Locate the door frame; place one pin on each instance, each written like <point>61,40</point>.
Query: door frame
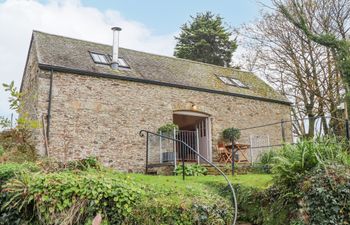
<point>208,127</point>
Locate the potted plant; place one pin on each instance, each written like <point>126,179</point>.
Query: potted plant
<point>168,129</point>
<point>232,134</point>
<point>167,148</point>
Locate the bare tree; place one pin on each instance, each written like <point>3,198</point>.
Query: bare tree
<point>302,70</point>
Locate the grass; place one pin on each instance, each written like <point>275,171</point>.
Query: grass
<point>175,190</point>
<point>260,181</point>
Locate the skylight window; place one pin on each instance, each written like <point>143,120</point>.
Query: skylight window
<point>107,59</point>
<point>99,58</point>
<point>226,80</point>
<point>122,63</point>
<point>238,83</point>
<point>232,81</point>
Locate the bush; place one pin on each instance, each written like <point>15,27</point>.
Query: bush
<point>232,133</point>
<point>9,170</point>
<point>326,196</point>
<point>293,161</point>
<point>71,197</point>
<point>192,170</point>
<point>18,145</point>
<point>267,159</point>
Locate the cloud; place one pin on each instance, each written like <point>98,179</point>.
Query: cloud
<point>69,18</point>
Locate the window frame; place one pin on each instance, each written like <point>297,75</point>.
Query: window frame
<point>232,81</point>
<point>99,54</point>
<point>108,59</point>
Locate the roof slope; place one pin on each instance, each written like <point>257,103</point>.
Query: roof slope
<point>74,54</point>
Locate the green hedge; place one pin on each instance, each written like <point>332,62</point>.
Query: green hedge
<point>76,196</point>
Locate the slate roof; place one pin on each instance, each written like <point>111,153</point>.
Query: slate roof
<point>73,54</point>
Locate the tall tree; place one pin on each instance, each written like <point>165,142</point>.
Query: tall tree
<point>205,39</point>
<point>336,39</point>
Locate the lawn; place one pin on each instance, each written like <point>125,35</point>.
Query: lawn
<point>261,181</point>
<point>174,189</point>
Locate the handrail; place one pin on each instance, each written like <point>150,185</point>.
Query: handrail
<point>234,200</point>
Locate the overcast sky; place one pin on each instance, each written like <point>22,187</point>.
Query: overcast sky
<point>147,25</point>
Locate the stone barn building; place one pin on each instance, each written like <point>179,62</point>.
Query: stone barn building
<point>93,99</point>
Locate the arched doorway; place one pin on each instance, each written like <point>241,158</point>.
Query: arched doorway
<point>194,130</point>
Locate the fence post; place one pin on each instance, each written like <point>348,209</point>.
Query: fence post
<point>347,129</point>
<point>233,157</point>
<point>183,163</point>
<point>282,131</point>
<point>174,149</point>
<point>147,153</point>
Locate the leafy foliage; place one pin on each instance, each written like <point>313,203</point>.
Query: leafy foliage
<point>15,95</point>
<point>77,196</point>
<point>192,170</point>
<point>326,196</point>
<point>9,170</point>
<point>205,39</point>
<point>18,145</point>
<point>294,161</point>
<point>232,133</point>
<point>4,122</point>
<point>267,159</point>
<point>168,128</point>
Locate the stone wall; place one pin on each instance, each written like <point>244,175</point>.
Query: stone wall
<point>30,91</point>
<point>102,117</point>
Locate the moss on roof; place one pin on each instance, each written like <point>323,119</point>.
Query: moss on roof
<point>72,53</point>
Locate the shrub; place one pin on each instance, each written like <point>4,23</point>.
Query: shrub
<point>18,145</point>
<point>326,196</point>
<point>168,128</point>
<point>71,197</point>
<point>85,164</point>
<point>232,133</point>
<point>294,161</point>
<point>192,170</point>
<point>9,170</point>
<point>267,159</point>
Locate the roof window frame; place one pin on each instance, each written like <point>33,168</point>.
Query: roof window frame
<point>108,59</point>
<point>99,54</point>
<point>232,81</point>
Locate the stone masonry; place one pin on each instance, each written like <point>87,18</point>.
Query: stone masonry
<point>102,117</point>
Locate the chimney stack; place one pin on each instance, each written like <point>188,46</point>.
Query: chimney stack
<point>115,54</point>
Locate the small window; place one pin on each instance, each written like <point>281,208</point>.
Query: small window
<point>122,63</point>
<point>238,83</point>
<point>99,58</point>
<point>232,81</point>
<point>107,59</point>
<point>226,80</point>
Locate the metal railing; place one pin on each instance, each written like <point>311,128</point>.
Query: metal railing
<point>182,151</point>
<point>234,200</point>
